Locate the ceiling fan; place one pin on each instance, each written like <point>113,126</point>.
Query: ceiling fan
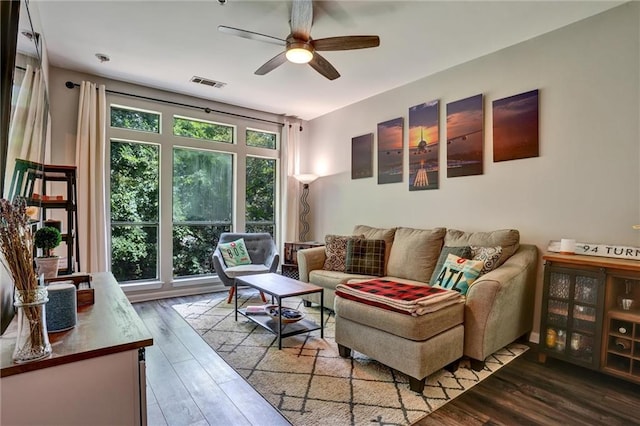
<point>300,47</point>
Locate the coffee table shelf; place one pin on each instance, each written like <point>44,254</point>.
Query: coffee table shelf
<point>290,329</point>
<point>280,287</point>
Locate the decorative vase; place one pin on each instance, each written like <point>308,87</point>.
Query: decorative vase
<point>32,341</point>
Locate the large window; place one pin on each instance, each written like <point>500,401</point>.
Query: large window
<point>202,207</point>
<point>135,119</point>
<point>177,183</point>
<point>134,210</point>
<point>200,129</point>
<point>261,191</point>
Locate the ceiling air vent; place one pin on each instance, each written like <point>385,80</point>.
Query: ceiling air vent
<point>207,82</point>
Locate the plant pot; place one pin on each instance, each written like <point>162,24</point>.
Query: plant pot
<point>47,266</point>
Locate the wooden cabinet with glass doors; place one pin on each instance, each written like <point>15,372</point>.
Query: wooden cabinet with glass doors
<point>571,326</point>
<point>591,313</point>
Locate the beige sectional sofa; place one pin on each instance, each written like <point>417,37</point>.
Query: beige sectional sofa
<point>498,307</point>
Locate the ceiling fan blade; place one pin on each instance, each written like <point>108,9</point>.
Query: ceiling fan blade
<point>301,19</point>
<point>323,66</point>
<point>346,42</point>
<point>272,64</point>
<point>251,35</point>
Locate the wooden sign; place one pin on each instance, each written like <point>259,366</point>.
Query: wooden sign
<point>604,250</point>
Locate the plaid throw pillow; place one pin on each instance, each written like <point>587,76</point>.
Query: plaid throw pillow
<point>365,257</point>
<point>336,251</point>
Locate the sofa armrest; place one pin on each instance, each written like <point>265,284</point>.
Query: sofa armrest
<point>499,305</point>
<point>310,259</point>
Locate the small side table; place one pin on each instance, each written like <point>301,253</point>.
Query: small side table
<point>290,259</point>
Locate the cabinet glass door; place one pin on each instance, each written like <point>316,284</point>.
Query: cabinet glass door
<point>572,307</point>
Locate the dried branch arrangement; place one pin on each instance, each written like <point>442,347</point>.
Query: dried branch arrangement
<point>16,246</point>
<point>16,243</point>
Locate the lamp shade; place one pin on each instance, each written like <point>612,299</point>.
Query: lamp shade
<point>306,178</point>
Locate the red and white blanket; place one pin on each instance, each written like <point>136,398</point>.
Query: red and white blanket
<point>399,297</point>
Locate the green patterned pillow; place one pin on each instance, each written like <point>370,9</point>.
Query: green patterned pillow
<point>458,274</point>
<point>365,257</point>
<point>235,253</point>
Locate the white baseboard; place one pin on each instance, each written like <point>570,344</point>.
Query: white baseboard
<point>534,337</point>
<point>175,292</point>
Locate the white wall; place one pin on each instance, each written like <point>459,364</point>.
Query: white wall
<point>584,185</point>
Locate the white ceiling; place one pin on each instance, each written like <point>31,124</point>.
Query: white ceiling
<point>163,44</point>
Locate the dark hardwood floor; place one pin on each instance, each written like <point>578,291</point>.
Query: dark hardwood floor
<point>189,384</point>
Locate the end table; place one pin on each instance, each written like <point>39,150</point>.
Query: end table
<point>290,259</point>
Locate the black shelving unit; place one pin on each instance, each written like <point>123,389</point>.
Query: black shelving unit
<point>28,177</point>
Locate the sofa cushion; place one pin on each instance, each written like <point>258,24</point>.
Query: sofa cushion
<point>330,279</point>
<point>418,328</point>
<point>365,257</point>
<point>508,239</point>
<point>414,253</point>
<point>463,252</point>
<point>240,270</point>
<point>489,255</point>
<point>378,234</point>
<point>235,253</point>
<point>458,274</point>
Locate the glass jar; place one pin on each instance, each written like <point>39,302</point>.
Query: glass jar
<point>551,338</point>
<point>32,340</point>
<point>561,340</point>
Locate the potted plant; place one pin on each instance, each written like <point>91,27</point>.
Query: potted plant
<point>47,238</point>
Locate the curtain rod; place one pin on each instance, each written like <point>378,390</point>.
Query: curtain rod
<point>71,85</point>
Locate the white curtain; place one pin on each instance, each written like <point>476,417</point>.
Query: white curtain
<point>291,187</point>
<point>26,130</point>
<point>90,161</point>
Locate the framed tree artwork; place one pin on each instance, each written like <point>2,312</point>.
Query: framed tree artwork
<point>424,141</point>
<point>362,156</point>
<point>515,127</point>
<point>464,137</point>
<point>390,151</point>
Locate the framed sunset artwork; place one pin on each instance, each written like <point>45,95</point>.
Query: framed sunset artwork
<point>424,134</point>
<point>515,127</point>
<point>464,137</point>
<point>362,156</point>
<point>390,151</point>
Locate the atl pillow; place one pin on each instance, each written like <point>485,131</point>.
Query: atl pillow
<point>458,273</point>
<point>464,252</point>
<point>235,253</point>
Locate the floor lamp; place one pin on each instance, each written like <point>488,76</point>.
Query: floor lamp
<point>305,180</point>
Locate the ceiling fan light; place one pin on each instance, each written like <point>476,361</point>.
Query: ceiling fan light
<point>299,55</point>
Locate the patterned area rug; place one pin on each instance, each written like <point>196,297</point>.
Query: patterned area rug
<point>310,384</point>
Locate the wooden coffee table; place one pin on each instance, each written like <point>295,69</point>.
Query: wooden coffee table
<point>280,287</point>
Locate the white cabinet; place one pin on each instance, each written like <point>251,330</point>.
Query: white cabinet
<point>95,374</point>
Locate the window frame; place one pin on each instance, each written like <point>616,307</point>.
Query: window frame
<point>167,142</point>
